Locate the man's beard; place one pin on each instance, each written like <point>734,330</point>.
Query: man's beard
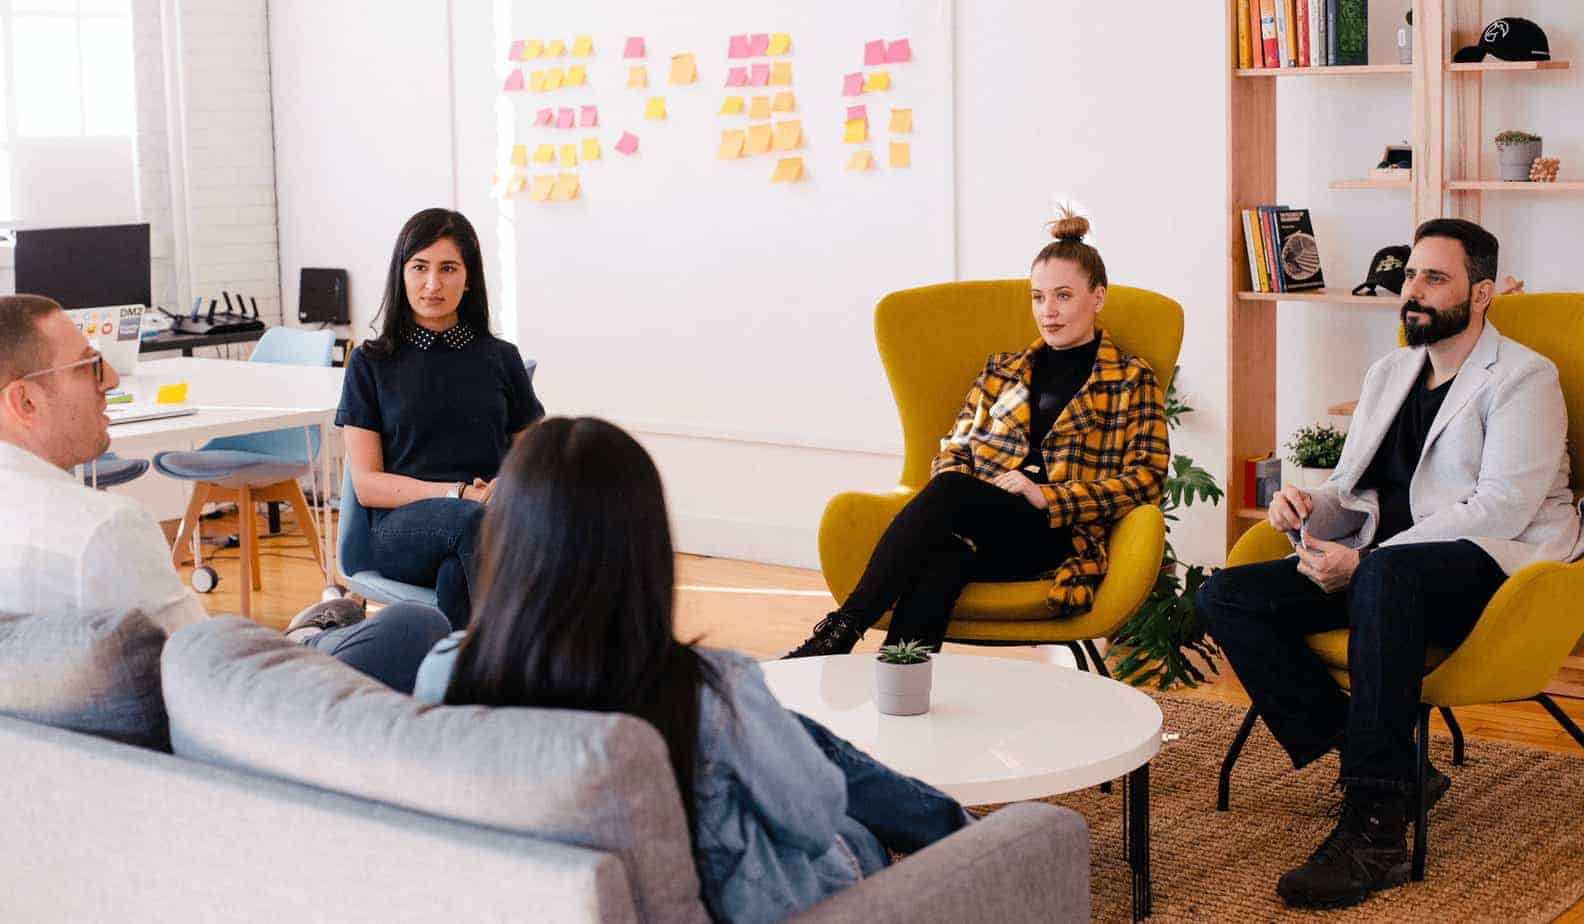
<point>1443,323</point>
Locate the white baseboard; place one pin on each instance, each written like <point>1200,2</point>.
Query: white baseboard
<point>720,537</point>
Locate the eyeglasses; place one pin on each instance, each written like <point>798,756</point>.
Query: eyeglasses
<point>96,360</point>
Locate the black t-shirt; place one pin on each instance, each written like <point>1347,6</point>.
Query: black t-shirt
<point>442,413</point>
<point>1390,473</point>
<point>1054,382</point>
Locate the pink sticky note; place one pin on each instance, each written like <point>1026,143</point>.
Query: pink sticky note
<point>852,84</point>
<point>738,47</point>
<point>589,118</point>
<point>635,48</point>
<point>544,117</point>
<point>758,44</point>
<point>564,118</point>
<point>628,143</point>
<point>874,53</point>
<point>858,112</point>
<point>761,75</point>
<point>516,50</point>
<point>514,79</point>
<point>737,77</point>
<point>899,52</point>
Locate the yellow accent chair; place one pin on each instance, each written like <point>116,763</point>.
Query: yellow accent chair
<point>1535,618</point>
<point>933,342</point>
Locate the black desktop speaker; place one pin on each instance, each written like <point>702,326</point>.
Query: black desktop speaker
<point>322,296</point>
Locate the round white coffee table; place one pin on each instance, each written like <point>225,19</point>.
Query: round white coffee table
<point>998,730</point>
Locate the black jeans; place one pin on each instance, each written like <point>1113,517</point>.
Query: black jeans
<point>1402,600</point>
<point>389,645</point>
<point>431,543</point>
<point>957,529</point>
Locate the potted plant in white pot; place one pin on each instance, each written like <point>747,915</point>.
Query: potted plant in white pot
<point>1518,151</point>
<point>1316,451</point>
<point>903,676</point>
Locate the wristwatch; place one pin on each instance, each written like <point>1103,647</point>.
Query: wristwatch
<point>455,491</point>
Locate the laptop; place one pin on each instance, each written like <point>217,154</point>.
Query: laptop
<point>114,331</point>
<point>136,412</point>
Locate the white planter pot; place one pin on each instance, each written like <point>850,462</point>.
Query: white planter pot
<point>1310,478</point>
<point>903,689</point>
<point>1516,159</point>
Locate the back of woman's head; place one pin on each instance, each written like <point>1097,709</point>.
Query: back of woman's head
<point>419,233</point>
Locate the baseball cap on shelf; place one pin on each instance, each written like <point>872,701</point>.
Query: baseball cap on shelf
<point>1386,270</point>
<point>1510,39</point>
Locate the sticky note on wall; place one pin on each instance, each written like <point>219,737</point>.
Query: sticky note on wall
<point>684,69</point>
<point>901,154</point>
<point>858,112</point>
<point>519,154</point>
<point>759,108</point>
<point>901,121</point>
<point>627,143</point>
<point>758,44</point>
<point>565,188</point>
<point>554,77</point>
<point>555,49</point>
<point>855,131</point>
<point>899,52</point>
<point>731,144</point>
<point>582,46</point>
<point>788,170</point>
<point>731,105</point>
<point>637,77</point>
<point>591,149</point>
<point>737,77</point>
<point>737,46</point>
<point>781,74</point>
<point>784,102</point>
<point>874,53</point>
<point>780,42</point>
<point>544,116</point>
<point>515,52</point>
<point>759,137</point>
<point>588,117</point>
<point>514,80</point>
<point>544,154</point>
<point>536,82</point>
<point>877,80</point>
<point>564,118</point>
<point>861,160</point>
<point>760,75</point>
<point>655,108</point>
<point>853,84</point>
<point>532,48</point>
<point>576,75</point>
<point>788,135</point>
<point>569,155</point>
<point>634,47</point>
<point>540,190</point>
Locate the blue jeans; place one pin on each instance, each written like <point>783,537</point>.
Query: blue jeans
<point>884,808</point>
<point>1402,600</point>
<point>431,543</point>
<point>387,646</point>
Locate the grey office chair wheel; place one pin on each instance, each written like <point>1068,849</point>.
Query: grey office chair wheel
<point>333,592</point>
<point>204,579</point>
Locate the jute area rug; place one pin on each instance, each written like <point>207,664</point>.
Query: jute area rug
<point>1506,843</point>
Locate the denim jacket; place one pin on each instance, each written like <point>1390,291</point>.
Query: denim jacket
<point>768,801</point>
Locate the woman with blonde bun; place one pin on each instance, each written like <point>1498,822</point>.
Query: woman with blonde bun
<point>1054,445</point>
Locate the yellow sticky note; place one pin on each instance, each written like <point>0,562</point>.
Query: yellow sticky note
<point>569,155</point>
<point>732,105</point>
<point>855,131</point>
<point>544,153</point>
<point>901,121</point>
<point>731,144</point>
<point>515,185</point>
<point>788,135</point>
<point>555,49</point>
<point>877,80</point>
<point>540,190</point>
<point>519,154</point>
<point>779,43</point>
<point>591,149</point>
<point>536,82</point>
<point>565,188</point>
<point>683,69</point>
<point>637,77</point>
<point>758,139</point>
<point>759,108</point>
<point>583,46</point>
<point>781,74</point>
<point>861,160</point>
<point>532,48</point>
<point>554,77</point>
<point>174,393</point>
<point>784,102</point>
<point>901,154</point>
<point>576,75</point>
<point>788,170</point>
<point>655,108</point>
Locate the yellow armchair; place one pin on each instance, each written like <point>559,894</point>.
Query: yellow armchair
<point>933,341</point>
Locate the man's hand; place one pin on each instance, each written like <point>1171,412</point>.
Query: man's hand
<point>1289,508</point>
<point>1015,482</point>
<point>1329,564</point>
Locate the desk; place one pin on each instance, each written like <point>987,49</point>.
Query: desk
<point>166,341</point>
<point>234,398</point>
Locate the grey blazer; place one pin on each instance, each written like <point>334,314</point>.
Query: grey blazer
<point>1494,469</point>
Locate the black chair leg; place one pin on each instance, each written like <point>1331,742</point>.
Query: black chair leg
<point>1561,717</point>
<point>1078,655</point>
<point>1457,735</point>
<point>1095,658</point>
<point>1224,790</point>
<point>1421,800</point>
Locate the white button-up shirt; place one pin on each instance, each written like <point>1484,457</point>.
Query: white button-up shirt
<point>68,549</point>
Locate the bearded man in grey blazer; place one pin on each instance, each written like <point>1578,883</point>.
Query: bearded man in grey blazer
<point>1453,476</point>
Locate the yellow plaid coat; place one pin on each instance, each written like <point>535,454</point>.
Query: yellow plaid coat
<point>1106,454</point>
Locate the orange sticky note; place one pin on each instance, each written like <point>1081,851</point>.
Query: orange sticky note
<point>731,105</point>
<point>877,80</point>
<point>901,154</point>
<point>544,154</point>
<point>788,170</point>
<point>555,49</point>
<point>637,77</point>
<point>536,82</point>
<point>532,48</point>
<point>540,190</point>
<point>591,149</point>
<point>515,184</point>
<point>684,69</point>
<point>901,121</point>
<point>855,131</point>
<point>565,188</point>
<point>569,155</point>
<point>758,139</point>
<point>655,109</point>
<point>788,135</point>
<point>731,144</point>
<point>861,160</point>
<point>554,77</point>
<point>784,102</point>
<point>582,46</point>
<point>779,43</point>
<point>781,74</point>
<point>519,155</point>
<point>576,76</point>
<point>759,108</point>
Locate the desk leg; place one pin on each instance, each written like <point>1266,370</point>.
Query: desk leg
<point>1136,840</point>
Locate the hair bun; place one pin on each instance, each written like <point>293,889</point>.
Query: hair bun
<point>1069,227</point>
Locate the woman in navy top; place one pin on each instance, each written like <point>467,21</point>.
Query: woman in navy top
<point>429,409</point>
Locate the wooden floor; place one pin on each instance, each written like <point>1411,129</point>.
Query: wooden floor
<point>766,609</point>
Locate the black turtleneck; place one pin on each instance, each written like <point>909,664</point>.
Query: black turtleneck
<point>1055,380</point>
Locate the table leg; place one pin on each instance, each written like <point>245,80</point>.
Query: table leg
<point>1136,840</point>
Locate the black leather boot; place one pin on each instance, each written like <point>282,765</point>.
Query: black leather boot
<point>834,635</point>
<point>1368,851</point>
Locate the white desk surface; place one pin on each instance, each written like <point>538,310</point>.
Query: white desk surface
<point>998,730</point>
<point>232,398</point>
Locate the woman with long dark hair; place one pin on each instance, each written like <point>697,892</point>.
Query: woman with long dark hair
<point>575,611</point>
<point>430,407</point>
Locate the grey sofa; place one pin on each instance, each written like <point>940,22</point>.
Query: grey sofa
<point>302,791</point>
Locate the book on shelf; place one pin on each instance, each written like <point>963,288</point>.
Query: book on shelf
<point>1256,35</point>
<point>1251,247</point>
<point>1282,58</point>
<point>1271,47</point>
<point>1303,33</point>
<point>1297,251</point>
<point>1267,480</point>
<point>1267,215</point>
<point>1292,32</point>
<point>1243,37</point>
<point>1317,10</point>
<point>1331,32</point>
<point>1353,32</point>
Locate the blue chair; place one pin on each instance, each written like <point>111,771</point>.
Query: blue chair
<point>110,470</point>
<point>254,468</point>
<point>353,557</point>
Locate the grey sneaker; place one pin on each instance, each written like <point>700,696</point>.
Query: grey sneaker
<point>323,616</point>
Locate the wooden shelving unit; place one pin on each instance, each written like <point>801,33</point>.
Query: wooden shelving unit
<point>1348,70</point>
<point>1369,183</point>
<point>1328,296</point>
<point>1504,186</point>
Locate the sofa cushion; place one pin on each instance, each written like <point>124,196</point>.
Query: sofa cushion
<point>240,695</point>
<point>94,674</point>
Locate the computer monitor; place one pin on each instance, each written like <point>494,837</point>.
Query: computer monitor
<point>91,267</point>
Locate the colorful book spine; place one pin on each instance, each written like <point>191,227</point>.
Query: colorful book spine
<point>1291,7</point>
<point>1256,35</point>
<point>1303,34</point>
<point>1318,8</point>
<point>1331,32</point>
<point>1242,34</point>
<point>1251,245</point>
<point>1281,34</point>
<point>1353,32</point>
<point>1268,33</point>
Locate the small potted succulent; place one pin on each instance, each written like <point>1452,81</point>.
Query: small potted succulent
<point>1315,450</point>
<point>1518,152</point>
<point>902,679</point>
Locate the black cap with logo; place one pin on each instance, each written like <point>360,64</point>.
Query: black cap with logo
<point>1386,271</point>
<point>1510,39</point>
